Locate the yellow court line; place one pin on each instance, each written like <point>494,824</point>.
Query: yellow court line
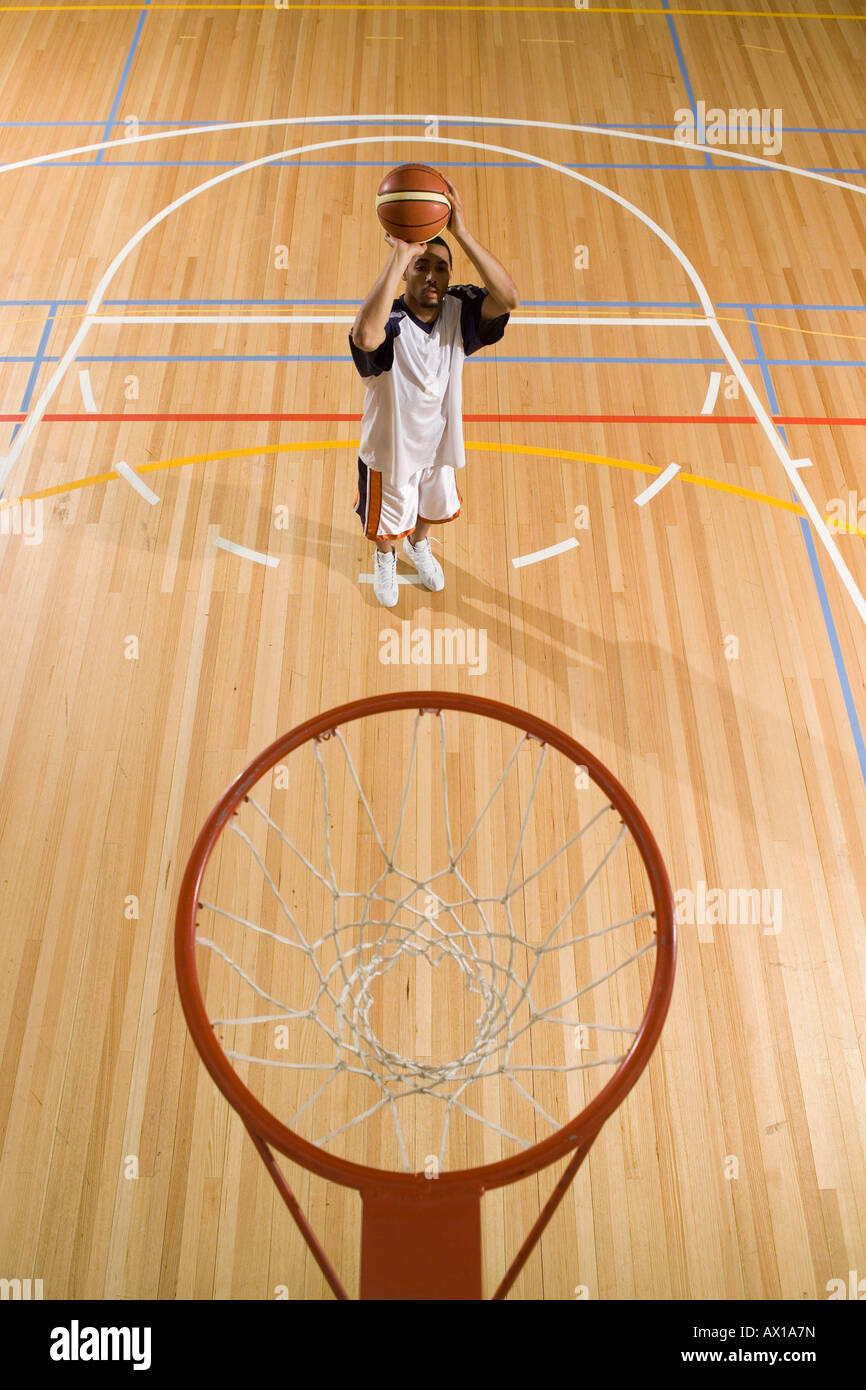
<point>479,446</point>
<point>457,9</point>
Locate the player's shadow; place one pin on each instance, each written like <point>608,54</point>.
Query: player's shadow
<point>631,677</point>
<point>467,601</point>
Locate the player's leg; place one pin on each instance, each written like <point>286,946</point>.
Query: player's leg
<point>387,513</point>
<point>438,501</point>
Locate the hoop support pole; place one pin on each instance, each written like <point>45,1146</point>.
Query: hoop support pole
<point>547,1211</point>
<point>300,1220</point>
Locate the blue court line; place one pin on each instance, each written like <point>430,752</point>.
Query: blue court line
<point>688,305</point>
<point>101,163</point>
<point>760,360</point>
<point>443,163</point>
<point>112,115</point>
<point>34,371</point>
<point>684,73</point>
<point>473,361</point>
<point>347,361</point>
<point>806,532</point>
<point>37,361</point>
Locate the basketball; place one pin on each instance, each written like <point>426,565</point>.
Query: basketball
<point>412,202</point>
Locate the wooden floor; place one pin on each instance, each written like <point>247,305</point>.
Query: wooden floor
<point>703,645</point>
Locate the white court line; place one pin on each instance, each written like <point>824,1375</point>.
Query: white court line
<point>123,470</point>
<point>245,554</point>
<point>87,391</point>
<point>576,320</point>
<point>534,556</point>
<point>778,446</point>
<point>801,463</point>
<point>391,118</point>
<point>709,404</point>
<point>38,409</point>
<point>401,578</point>
<point>658,483</point>
<point>775,440</point>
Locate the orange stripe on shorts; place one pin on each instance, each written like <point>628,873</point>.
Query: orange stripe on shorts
<point>374,503</point>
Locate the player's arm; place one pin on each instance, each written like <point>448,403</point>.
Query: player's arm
<point>368,330</point>
<point>502,294</point>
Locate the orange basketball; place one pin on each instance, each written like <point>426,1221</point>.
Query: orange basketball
<point>412,202</point>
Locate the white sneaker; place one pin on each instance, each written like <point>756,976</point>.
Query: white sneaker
<point>385,578</point>
<point>425,562</point>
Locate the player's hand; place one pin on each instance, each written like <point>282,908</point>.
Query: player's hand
<point>408,249</point>
<point>456,222</point>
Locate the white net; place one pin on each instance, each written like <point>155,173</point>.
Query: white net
<point>426,940</point>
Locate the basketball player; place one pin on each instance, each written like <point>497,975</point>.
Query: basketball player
<point>410,352</point>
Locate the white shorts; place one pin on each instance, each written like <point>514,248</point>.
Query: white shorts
<point>392,511</point>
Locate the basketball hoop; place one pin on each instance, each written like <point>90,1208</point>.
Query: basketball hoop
<point>435,882</point>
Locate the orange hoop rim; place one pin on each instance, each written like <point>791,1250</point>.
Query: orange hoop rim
<point>260,1121</point>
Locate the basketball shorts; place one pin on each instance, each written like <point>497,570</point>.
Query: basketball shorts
<point>392,510</point>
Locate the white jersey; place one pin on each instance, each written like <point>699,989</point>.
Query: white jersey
<point>413,411</point>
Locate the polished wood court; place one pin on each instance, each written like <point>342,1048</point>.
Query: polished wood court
<point>702,645</point>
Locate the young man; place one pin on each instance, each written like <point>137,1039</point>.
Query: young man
<point>410,353</point>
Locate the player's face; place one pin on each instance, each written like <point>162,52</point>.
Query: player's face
<point>427,277</point>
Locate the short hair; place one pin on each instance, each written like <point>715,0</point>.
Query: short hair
<point>440,241</point>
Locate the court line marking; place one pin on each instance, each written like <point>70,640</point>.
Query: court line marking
<point>535,555</point>
<point>676,317</point>
<point>575,320</point>
<point>173,120</point>
<point>36,365</point>
<point>709,404</point>
<point>246,554</point>
<point>661,481</point>
<point>497,359</point>
<point>820,586</point>
<point>455,9</point>
<point>87,391</point>
<point>401,578</point>
<point>477,446</point>
<point>774,438</point>
<point>143,417</point>
<point>124,471</point>
<point>356,164</point>
<point>613,132</point>
<point>112,115</point>
<point>684,72</point>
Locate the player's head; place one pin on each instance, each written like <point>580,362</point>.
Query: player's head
<point>427,274</point>
<point>440,241</point>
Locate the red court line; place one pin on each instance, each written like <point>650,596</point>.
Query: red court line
<point>165,416</point>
